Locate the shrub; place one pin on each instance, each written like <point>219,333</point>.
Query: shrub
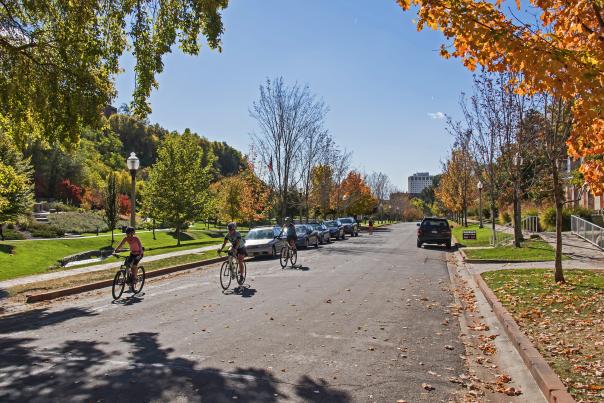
<point>58,206</point>
<point>505,217</point>
<point>78,222</point>
<point>70,192</point>
<point>548,217</point>
<point>582,212</point>
<point>38,230</point>
<point>12,234</point>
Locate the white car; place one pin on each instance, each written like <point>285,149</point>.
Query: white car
<point>264,241</point>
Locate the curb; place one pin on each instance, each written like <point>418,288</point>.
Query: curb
<point>551,386</point>
<point>106,283</point>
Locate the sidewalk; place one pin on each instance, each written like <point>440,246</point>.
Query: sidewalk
<point>575,247</point>
<point>89,269</point>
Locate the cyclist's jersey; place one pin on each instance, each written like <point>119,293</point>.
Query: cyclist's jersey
<point>135,245</point>
<point>234,238</point>
<point>290,231</point>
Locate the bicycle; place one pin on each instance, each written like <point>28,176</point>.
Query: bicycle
<point>124,276</point>
<point>287,253</point>
<point>229,271</point>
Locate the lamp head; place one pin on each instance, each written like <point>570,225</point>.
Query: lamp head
<point>133,162</point>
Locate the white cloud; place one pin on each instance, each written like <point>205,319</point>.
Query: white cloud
<point>436,115</point>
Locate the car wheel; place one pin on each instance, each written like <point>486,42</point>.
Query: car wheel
<point>448,245</point>
<point>274,251</point>
<point>316,242</point>
<point>419,244</point>
<point>306,243</point>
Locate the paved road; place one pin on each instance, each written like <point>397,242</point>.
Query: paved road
<point>361,321</point>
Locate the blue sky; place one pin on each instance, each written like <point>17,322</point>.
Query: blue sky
<point>383,81</point>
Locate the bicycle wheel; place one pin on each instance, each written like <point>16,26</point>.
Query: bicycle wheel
<point>119,281</point>
<point>294,257</point>
<point>140,280</point>
<point>283,257</point>
<point>241,280</point>
<point>225,275</point>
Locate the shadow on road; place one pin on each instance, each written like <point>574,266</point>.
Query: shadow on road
<point>131,300</point>
<point>39,318</point>
<point>76,369</point>
<point>244,291</point>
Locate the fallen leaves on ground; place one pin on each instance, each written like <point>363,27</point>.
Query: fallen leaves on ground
<point>565,322</point>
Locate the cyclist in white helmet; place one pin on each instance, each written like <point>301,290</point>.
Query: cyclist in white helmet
<point>237,245</point>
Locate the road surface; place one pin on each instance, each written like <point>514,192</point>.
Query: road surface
<point>364,319</point>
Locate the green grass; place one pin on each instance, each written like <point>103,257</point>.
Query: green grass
<point>534,250</point>
<point>483,235</point>
<point>37,256</point>
<point>564,321</point>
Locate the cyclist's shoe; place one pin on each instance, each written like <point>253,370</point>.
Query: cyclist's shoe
<point>240,279</point>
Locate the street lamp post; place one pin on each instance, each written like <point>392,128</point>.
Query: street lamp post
<point>480,203</point>
<point>133,163</point>
<point>517,160</point>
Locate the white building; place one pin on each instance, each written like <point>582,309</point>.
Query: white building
<point>418,182</point>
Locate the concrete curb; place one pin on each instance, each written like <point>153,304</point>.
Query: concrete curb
<point>107,283</point>
<point>552,387</point>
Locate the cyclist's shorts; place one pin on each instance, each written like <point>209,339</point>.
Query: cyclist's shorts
<point>133,259</point>
<point>292,238</point>
<point>242,251</point>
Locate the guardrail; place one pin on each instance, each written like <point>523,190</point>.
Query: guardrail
<point>530,223</point>
<point>587,230</point>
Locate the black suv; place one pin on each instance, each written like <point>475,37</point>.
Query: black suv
<point>434,230</point>
<point>350,226</point>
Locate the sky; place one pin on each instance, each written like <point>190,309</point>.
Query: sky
<point>385,84</point>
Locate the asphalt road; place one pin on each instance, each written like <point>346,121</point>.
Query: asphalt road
<point>362,320</point>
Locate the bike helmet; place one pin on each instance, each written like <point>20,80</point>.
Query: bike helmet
<point>129,230</point>
<point>231,226</point>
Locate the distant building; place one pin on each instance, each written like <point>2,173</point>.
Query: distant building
<point>418,182</point>
<point>574,195</point>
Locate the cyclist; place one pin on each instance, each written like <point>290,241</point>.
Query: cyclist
<point>136,252</point>
<point>237,246</point>
<point>290,230</point>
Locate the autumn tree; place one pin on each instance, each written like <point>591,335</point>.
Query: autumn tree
<point>356,195</point>
<point>559,53</point>
<point>58,59</point>
<point>457,183</point>
<point>322,185</point>
<point>229,198</point>
<point>256,197</point>
<point>380,186</point>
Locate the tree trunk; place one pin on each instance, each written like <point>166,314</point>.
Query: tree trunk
<point>558,273</point>
<point>178,234</point>
<point>153,228</point>
<point>112,239</point>
<point>1,231</point>
<point>517,220</point>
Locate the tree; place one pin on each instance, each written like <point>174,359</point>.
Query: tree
<point>284,114</point>
<point>178,183</point>
<point>58,59</point>
<point>111,204</point>
<point>559,53</point>
<point>381,187</point>
<point>321,189</point>
<point>16,188</point>
<point>229,194</point>
<point>356,195</point>
<point>340,162</point>
<point>256,196</point>
<point>315,142</point>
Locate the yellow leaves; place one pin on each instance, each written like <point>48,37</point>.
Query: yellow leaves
<point>444,52</point>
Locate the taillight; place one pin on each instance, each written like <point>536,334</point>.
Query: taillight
<point>419,231</point>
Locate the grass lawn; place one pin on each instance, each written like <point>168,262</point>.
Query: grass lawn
<point>87,278</point>
<point>483,235</point>
<point>22,258</point>
<point>533,250</point>
<point>564,322</point>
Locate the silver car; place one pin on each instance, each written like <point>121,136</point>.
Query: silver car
<point>264,241</point>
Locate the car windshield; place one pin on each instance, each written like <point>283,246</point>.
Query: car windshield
<point>346,220</point>
<point>435,223</point>
<point>331,224</point>
<point>260,234</point>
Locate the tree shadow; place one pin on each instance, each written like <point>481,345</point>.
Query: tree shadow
<point>183,236</point>
<point>313,391</point>
<point>8,249</point>
<point>39,318</point>
<point>86,371</point>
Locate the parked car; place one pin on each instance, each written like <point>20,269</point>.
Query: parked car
<point>322,231</point>
<point>306,236</point>
<point>264,241</point>
<point>336,229</point>
<point>350,226</point>
<point>434,230</point>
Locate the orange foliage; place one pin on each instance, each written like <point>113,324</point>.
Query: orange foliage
<point>562,54</point>
<point>356,195</point>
